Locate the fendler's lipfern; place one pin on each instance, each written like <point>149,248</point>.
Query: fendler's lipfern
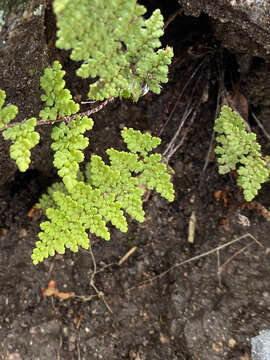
<point>238,150</point>
<point>122,53</point>
<point>87,202</point>
<point>24,137</point>
<point>7,113</point>
<point>116,45</point>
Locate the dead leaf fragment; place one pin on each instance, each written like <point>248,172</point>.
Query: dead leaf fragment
<point>34,213</point>
<point>77,320</point>
<point>51,290</point>
<point>221,195</point>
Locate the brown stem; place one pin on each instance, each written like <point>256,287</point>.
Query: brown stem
<point>68,118</point>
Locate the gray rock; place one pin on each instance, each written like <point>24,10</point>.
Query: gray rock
<point>260,346</point>
<point>240,25</point>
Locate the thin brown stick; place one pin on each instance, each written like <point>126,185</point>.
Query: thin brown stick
<point>92,280</point>
<point>180,96</point>
<point>171,18</point>
<point>219,269</point>
<point>127,255</point>
<point>190,112</point>
<point>233,256</point>
<point>211,145</point>
<point>261,126</point>
<point>59,347</point>
<point>172,148</point>
<point>118,263</point>
<point>67,119</point>
<point>148,281</point>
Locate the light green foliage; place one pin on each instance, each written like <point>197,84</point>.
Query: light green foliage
<point>58,99</point>
<point>24,138</point>
<point>120,49</point>
<point>101,195</point>
<point>68,143</point>
<point>7,113</point>
<point>238,150</point>
<point>46,200</point>
<point>138,142</point>
<point>116,44</point>
<point>154,174</point>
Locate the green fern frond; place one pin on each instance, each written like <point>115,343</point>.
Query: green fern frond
<point>68,145</point>
<point>120,50</point>
<point>64,230</point>
<point>238,150</point>
<point>58,99</point>
<point>24,138</point>
<point>7,113</point>
<point>156,176</point>
<point>79,207</point>
<point>138,142</point>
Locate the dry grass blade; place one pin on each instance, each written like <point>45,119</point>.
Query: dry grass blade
<point>261,126</point>
<point>127,255</point>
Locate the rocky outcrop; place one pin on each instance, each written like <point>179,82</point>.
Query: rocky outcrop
<point>242,26</point>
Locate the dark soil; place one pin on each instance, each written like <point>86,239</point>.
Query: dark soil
<point>150,307</point>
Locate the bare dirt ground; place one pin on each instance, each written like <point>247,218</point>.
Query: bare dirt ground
<point>169,299</point>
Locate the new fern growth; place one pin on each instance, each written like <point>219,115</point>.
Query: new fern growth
<point>87,202</point>
<point>68,143</point>
<point>238,150</point>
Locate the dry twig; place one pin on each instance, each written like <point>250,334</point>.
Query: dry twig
<point>95,271</point>
<point>261,126</point>
<point>92,280</point>
<point>151,280</point>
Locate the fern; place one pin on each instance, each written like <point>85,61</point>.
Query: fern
<point>101,195</point>
<point>58,99</point>
<point>68,143</point>
<point>238,150</point>
<point>116,44</point>
<point>24,138</point>
<point>122,53</point>
<point>59,103</point>
<point>7,113</point>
